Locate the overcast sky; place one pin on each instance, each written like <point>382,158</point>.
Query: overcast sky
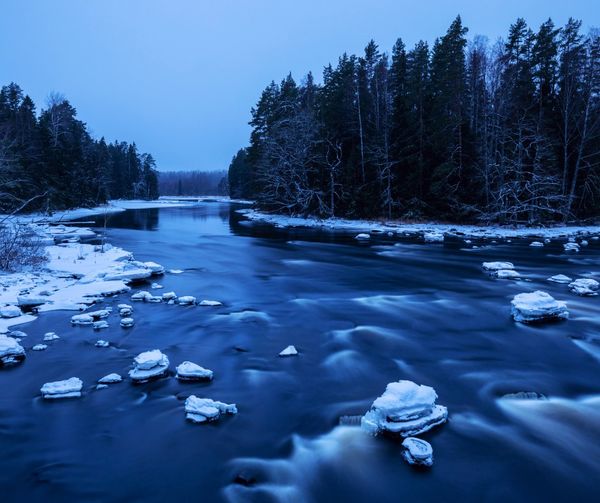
<point>179,76</point>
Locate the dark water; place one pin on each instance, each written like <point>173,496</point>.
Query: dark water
<point>361,315</point>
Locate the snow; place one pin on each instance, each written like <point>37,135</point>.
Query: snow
<point>210,303</point>
<point>537,306</point>
<point>127,322</point>
<point>497,266</point>
<point>10,350</point>
<point>51,336</point>
<point>186,300</point>
<point>289,351</point>
<point>560,278</point>
<point>10,311</point>
<point>417,451</point>
<point>102,343</point>
<point>39,347</point>
<point>200,410</point>
<point>110,379</point>
<point>189,371</point>
<point>585,286</point>
<point>149,364</point>
<point>69,388</point>
<point>404,409</point>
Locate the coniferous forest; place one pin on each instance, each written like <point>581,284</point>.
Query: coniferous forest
<point>463,130</point>
<point>49,161</point>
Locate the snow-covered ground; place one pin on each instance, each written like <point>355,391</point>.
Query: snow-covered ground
<point>202,199</point>
<point>426,229</point>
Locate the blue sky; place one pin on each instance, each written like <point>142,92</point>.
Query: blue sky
<point>179,76</point>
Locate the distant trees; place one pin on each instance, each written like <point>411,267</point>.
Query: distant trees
<point>193,183</point>
<point>508,132</point>
<point>51,161</point>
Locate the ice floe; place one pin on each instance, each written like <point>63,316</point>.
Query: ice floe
<point>585,287</point>
<point>125,310</point>
<point>201,410</point>
<point>110,379</point>
<point>69,388</point>
<point>560,278</point>
<point>417,451</point>
<point>537,307</point>
<point>289,351</point>
<point>148,365</point>
<point>404,409</point>
<point>189,371</point>
<point>10,351</point>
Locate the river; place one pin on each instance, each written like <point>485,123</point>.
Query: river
<point>361,315</point>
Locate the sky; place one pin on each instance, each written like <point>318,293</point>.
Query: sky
<point>179,77</point>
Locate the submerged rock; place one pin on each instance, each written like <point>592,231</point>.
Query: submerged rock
<point>69,388</point>
<point>10,351</point>
<point>82,319</point>
<point>560,278</point>
<point>585,286</point>
<point>110,379</point>
<point>404,409</point>
<point>497,266</point>
<point>289,351</point>
<point>189,371</point>
<point>537,307</point>
<point>417,452</point>
<point>127,322</point>
<point>201,410</point>
<point>149,365</point>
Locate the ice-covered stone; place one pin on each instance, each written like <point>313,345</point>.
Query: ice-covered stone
<point>82,319</point>
<point>210,303</point>
<point>50,336</point>
<point>169,296</point>
<point>127,322</point>
<point>189,371</point>
<point>10,350</point>
<point>186,300</point>
<point>497,266</point>
<point>99,325</point>
<point>201,410</point>
<point>10,311</point>
<point>417,452</point>
<point>102,343</point>
<point>362,236</point>
<point>110,379</point>
<point>39,347</point>
<point>289,351</point>
<point>404,409</point>
<point>560,278</point>
<point>536,307</point>
<point>148,365</point>
<point>585,286</point>
<point>69,388</point>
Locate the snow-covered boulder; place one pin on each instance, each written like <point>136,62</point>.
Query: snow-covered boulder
<point>201,410</point>
<point>584,286</point>
<point>189,371</point>
<point>536,244</point>
<point>362,236</point>
<point>537,307</point>
<point>10,351</point>
<point>571,247</point>
<point>417,452</point>
<point>506,274</point>
<point>169,296</point>
<point>155,299</point>
<point>10,311</point>
<point>128,271</point>
<point>110,379</point>
<point>141,296</point>
<point>69,388</point>
<point>210,303</point>
<point>125,310</point>
<point>82,319</point>
<point>289,351</point>
<point>560,278</point>
<point>433,237</point>
<point>404,409</point>
<point>175,271</point>
<point>186,300</point>
<point>156,286</point>
<point>29,301</point>
<point>17,334</point>
<point>102,343</point>
<point>100,314</point>
<point>100,324</point>
<point>39,347</point>
<point>497,266</point>
<point>155,269</point>
<point>51,336</point>
<point>148,365</point>
<point>127,322</point>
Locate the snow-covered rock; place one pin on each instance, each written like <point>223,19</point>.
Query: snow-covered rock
<point>102,343</point>
<point>156,286</point>
<point>289,351</point>
<point>141,296</point>
<point>100,324</point>
<point>417,452</point>
<point>69,388</point>
<point>571,247</point>
<point>169,296</point>
<point>585,286</point>
<point>560,278</point>
<point>175,271</point>
<point>186,300</point>
<point>101,386</point>
<point>536,244</point>
<point>148,365</point>
<point>362,236</point>
<point>128,272</point>
<point>10,351</point>
<point>404,409</point>
<point>127,322</point>
<point>189,371</point>
<point>155,299</point>
<point>497,266</point>
<point>433,237</point>
<point>10,311</point>
<point>210,303</point>
<point>110,379</point>
<point>201,410</point>
<point>155,269</point>
<point>125,310</point>
<point>17,333</point>
<point>536,307</point>
<point>100,314</point>
<point>506,274</point>
<point>82,319</point>
<point>39,347</point>
<point>29,301</point>
<point>50,336</point>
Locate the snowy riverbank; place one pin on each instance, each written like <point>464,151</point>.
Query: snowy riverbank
<point>433,230</point>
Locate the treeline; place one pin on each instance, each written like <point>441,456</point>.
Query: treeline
<point>506,132</point>
<point>50,161</point>
<point>193,183</point>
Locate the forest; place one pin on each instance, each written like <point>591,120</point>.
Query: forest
<point>50,161</point>
<point>463,130</point>
<point>192,183</point>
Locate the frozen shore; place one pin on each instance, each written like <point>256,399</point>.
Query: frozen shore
<point>377,227</point>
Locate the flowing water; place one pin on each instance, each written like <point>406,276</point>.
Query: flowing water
<point>361,315</point>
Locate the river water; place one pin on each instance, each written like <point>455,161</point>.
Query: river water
<point>361,316</point>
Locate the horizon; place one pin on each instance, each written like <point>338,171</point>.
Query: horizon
<point>127,56</point>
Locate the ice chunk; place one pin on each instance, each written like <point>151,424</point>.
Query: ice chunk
<point>10,311</point>
<point>110,379</point>
<point>39,347</point>
<point>585,286</point>
<point>69,388</point>
<point>99,325</point>
<point>404,409</point>
<point>169,296</point>
<point>82,319</point>
<point>10,351</point>
<point>362,237</point>
<point>127,322</point>
<point>289,351</point>
<point>188,371</point>
<point>102,343</point>
<point>186,300</point>
<point>149,364</point>
<point>210,303</point>
<point>560,278</point>
<point>496,266</point>
<point>537,306</point>
<point>50,336</point>
<point>417,451</point>
<point>536,244</point>
<point>200,410</point>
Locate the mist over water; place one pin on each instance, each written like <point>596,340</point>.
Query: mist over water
<point>361,315</point>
